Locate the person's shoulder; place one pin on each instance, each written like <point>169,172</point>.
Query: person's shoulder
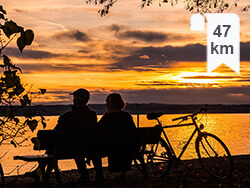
<point>125,113</point>
<point>65,114</point>
<point>91,111</point>
<point>118,114</point>
<point>128,116</point>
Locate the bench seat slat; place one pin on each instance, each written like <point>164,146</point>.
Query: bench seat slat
<point>30,158</point>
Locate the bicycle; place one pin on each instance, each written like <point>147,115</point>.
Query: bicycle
<point>156,160</point>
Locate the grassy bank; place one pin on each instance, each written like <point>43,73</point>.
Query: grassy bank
<point>178,177</point>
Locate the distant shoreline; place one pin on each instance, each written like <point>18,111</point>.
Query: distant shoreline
<point>142,108</point>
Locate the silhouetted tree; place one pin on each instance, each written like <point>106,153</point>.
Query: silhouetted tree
<point>12,130</point>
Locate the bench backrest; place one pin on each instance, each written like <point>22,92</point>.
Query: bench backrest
<point>138,136</point>
<point>98,139</point>
<point>48,140</point>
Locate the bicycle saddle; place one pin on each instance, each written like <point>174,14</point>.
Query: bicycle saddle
<point>154,115</point>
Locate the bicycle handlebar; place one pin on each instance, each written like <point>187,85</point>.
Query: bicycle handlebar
<point>184,118</point>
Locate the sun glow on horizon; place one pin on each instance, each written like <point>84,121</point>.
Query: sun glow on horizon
<point>197,77</point>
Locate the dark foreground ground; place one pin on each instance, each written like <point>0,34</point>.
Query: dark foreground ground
<point>178,177</point>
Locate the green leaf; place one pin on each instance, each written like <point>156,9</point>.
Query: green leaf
<point>19,90</point>
<point>25,100</point>
<point>12,142</point>
<point>43,91</point>
<point>10,28</point>
<point>25,39</point>
<point>44,124</point>
<point>11,81</point>
<point>42,117</point>
<point>11,95</point>
<point>6,60</point>
<point>36,143</point>
<point>23,104</point>
<point>1,16</point>
<point>32,124</point>
<point>2,122</point>
<point>21,43</point>
<point>2,10</point>
<point>15,67</point>
<point>16,120</point>
<point>29,36</point>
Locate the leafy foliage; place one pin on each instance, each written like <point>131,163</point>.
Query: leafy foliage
<point>12,129</point>
<point>246,8</point>
<point>194,6</point>
<point>107,5</point>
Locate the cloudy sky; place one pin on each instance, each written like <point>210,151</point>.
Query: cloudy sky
<point>147,55</point>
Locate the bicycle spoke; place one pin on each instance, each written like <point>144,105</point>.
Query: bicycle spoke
<point>216,154</point>
<point>205,149</point>
<point>156,157</point>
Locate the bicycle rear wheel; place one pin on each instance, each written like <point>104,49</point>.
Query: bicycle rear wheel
<point>214,155</point>
<point>1,177</point>
<point>154,160</point>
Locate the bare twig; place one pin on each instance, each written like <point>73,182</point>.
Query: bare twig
<point>9,41</point>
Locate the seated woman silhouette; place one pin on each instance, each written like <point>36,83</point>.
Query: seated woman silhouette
<point>116,121</point>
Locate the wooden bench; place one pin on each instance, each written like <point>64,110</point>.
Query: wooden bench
<point>88,144</point>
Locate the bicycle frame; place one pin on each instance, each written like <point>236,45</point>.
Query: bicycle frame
<point>197,129</point>
<point>205,146</point>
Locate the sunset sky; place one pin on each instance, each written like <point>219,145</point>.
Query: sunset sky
<point>147,55</point>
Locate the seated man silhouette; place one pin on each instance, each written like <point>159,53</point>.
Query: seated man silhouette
<point>79,120</point>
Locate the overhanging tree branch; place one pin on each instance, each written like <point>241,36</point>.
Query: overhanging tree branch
<point>194,6</point>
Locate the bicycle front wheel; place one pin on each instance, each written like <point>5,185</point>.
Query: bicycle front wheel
<point>1,177</point>
<point>214,155</point>
<point>154,160</point>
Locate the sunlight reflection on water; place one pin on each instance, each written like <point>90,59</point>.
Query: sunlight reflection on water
<point>232,129</point>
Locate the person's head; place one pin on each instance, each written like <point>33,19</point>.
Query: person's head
<point>115,102</point>
<point>81,97</point>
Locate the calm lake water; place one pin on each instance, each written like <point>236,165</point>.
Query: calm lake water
<point>232,129</point>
